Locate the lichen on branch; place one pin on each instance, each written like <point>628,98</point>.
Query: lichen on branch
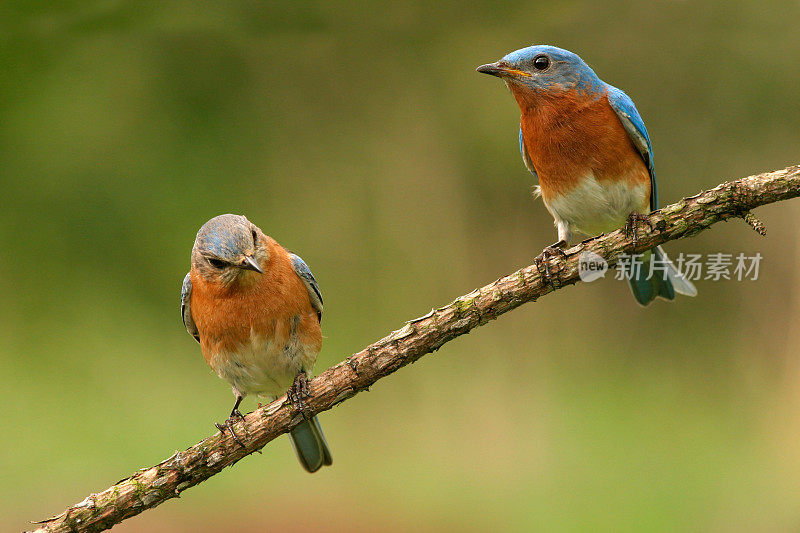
<point>152,486</point>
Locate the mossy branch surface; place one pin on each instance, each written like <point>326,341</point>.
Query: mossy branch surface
<point>152,486</point>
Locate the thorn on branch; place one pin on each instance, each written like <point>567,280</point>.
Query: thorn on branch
<point>754,223</point>
<point>743,197</point>
<point>138,493</point>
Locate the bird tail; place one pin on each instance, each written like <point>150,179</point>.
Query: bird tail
<point>310,445</point>
<point>665,281</point>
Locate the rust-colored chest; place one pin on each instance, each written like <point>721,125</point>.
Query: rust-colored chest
<point>273,306</point>
<point>571,137</point>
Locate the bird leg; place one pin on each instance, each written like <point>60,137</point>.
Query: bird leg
<point>632,226</point>
<point>542,261</point>
<point>298,391</point>
<point>235,413</point>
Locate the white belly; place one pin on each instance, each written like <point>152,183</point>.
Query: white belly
<point>597,207</point>
<point>263,366</point>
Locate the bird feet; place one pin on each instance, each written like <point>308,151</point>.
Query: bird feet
<point>298,391</point>
<point>632,226</point>
<point>228,425</point>
<point>542,261</point>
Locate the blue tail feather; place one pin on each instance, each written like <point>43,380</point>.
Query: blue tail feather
<point>664,282</point>
<point>310,445</point>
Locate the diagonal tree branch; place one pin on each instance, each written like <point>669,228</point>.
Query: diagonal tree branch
<point>150,487</point>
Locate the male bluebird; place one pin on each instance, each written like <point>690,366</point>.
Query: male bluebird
<point>587,145</point>
<point>255,308</point>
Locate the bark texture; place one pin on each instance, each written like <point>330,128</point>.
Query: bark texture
<point>152,486</point>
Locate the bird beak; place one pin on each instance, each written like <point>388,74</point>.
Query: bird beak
<point>249,263</point>
<point>501,70</point>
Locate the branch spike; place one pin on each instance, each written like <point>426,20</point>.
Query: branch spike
<point>407,344</point>
<point>755,223</point>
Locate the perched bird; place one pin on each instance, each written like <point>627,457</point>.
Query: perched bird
<point>587,145</point>
<point>255,308</point>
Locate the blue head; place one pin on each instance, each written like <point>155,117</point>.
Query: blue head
<point>544,70</point>
<point>227,247</point>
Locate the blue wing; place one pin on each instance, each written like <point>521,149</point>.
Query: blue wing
<point>302,270</point>
<point>525,157</point>
<point>634,125</point>
<point>186,308</point>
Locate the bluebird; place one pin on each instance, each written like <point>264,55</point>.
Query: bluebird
<point>255,308</point>
<point>587,145</point>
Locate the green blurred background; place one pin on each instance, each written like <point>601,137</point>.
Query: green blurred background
<point>362,137</point>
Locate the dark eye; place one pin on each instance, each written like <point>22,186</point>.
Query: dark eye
<point>255,237</point>
<point>541,62</point>
<point>216,263</point>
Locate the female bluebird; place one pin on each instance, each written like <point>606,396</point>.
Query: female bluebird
<point>255,308</point>
<point>587,145</point>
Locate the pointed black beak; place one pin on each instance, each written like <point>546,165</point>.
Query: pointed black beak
<point>493,69</point>
<point>249,263</point>
<point>501,69</point>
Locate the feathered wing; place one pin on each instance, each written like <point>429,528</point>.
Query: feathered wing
<point>308,439</point>
<point>646,290</point>
<point>302,270</point>
<point>525,157</point>
<point>186,308</point>
<point>623,106</point>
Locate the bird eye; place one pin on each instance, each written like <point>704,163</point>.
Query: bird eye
<point>541,62</point>
<point>255,237</point>
<point>216,263</point>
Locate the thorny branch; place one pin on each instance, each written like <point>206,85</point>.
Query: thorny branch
<point>152,486</point>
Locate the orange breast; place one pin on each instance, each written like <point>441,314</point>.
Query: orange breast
<point>571,136</point>
<point>265,304</point>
